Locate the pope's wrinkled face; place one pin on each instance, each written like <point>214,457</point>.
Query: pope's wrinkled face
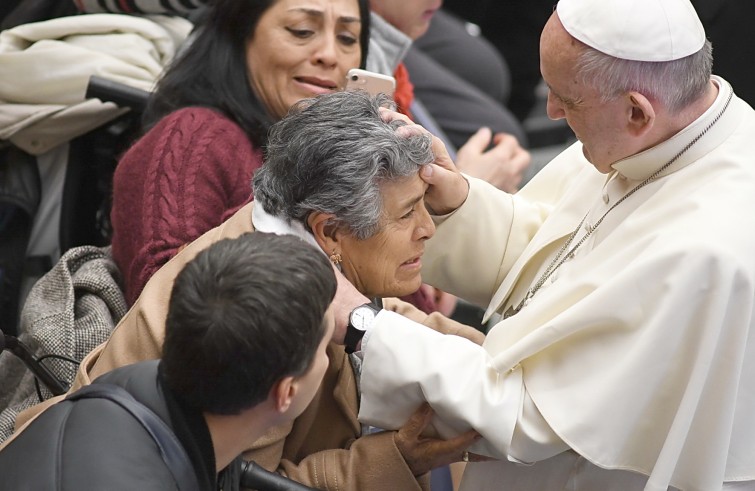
<point>389,262</point>
<point>302,48</point>
<point>600,126</point>
<point>412,17</point>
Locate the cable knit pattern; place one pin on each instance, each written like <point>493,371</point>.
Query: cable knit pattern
<point>185,176</point>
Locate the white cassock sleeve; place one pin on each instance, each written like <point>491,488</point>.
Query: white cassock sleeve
<point>406,363</point>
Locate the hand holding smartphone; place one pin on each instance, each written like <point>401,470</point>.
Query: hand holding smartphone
<point>373,83</point>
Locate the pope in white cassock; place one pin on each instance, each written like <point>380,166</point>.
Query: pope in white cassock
<point>624,273</point>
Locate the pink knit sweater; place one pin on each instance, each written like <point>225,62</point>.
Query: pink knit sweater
<point>185,176</point>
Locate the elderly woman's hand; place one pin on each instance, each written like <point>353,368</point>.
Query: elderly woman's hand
<point>423,453</point>
<point>448,189</point>
<point>502,166</point>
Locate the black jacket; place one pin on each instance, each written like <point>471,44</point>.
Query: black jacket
<point>94,444</point>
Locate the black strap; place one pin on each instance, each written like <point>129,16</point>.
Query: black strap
<point>173,453</point>
<point>254,476</point>
<point>20,195</point>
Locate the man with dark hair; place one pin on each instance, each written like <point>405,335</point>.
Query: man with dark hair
<point>244,350</point>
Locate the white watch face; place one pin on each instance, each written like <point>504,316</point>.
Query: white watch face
<point>362,317</point>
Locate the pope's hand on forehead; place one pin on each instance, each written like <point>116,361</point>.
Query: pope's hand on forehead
<point>411,128</point>
<point>448,188</point>
<point>389,115</point>
<point>408,129</point>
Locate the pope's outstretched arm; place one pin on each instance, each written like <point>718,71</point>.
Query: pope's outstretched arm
<point>390,394</point>
<point>456,376</point>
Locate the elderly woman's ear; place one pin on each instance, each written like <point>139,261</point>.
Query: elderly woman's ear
<point>325,232</point>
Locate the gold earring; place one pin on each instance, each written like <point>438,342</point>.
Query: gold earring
<point>336,258</point>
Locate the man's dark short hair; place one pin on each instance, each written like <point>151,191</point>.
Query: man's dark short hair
<point>243,314</point>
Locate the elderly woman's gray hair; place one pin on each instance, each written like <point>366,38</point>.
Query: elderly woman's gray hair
<point>331,154</point>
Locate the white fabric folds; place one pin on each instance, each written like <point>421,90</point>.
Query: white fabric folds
<point>45,68</point>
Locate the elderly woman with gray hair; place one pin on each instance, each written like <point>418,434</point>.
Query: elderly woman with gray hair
<point>353,188</point>
<point>343,180</point>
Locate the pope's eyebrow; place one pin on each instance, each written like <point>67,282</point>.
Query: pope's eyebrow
<point>565,100</point>
<point>554,92</point>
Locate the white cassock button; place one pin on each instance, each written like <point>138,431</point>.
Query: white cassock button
<point>606,199</point>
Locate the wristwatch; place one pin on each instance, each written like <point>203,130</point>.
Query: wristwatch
<point>360,319</point>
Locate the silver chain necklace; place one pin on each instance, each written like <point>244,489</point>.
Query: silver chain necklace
<point>561,257</point>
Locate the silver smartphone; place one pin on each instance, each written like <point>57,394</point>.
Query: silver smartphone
<point>373,83</point>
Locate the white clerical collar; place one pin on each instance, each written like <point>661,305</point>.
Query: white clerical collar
<point>265,222</point>
<point>642,165</point>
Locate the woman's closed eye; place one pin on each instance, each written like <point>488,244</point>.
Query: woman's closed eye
<point>413,209</point>
<point>348,39</point>
<point>300,33</point>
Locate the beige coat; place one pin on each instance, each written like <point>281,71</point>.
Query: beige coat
<point>323,447</point>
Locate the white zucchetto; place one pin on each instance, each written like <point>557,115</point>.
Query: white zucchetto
<point>640,30</point>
